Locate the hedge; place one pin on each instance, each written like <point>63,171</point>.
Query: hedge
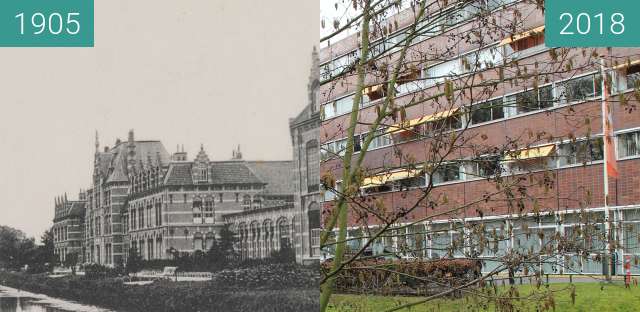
<point>161,296</point>
<point>404,277</point>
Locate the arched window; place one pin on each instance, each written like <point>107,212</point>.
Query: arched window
<point>209,239</point>
<point>313,215</point>
<point>268,237</point>
<point>313,166</point>
<point>198,242</point>
<point>204,174</point>
<point>208,211</point>
<point>283,233</point>
<point>158,213</point>
<point>197,210</point>
<point>255,233</point>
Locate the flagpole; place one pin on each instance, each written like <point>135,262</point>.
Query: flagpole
<point>607,225</point>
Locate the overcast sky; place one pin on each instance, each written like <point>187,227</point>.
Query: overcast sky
<point>331,10</point>
<point>220,73</point>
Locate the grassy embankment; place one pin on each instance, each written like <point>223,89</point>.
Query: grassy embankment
<point>588,297</point>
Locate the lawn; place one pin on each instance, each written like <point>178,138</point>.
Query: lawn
<point>588,297</point>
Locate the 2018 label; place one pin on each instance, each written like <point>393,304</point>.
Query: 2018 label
<point>583,24</point>
<point>590,23</point>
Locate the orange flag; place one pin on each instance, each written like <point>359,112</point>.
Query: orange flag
<point>607,130</point>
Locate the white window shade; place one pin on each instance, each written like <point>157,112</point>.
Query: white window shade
<point>438,73</point>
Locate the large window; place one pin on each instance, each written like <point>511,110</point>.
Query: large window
<point>487,111</point>
<point>531,100</point>
<point>333,149</point>
<point>208,210</point>
<point>438,73</point>
<point>197,210</point>
<point>330,194</point>
<point>446,173</point>
<point>482,59</point>
<point>632,77</point>
<point>581,151</point>
<point>313,215</point>
<point>452,122</point>
<point>338,107</point>
<point>580,89</point>
<point>313,166</point>
<point>629,144</point>
<point>381,139</point>
<point>158,213</point>
<point>628,76</point>
<point>483,167</point>
<point>338,65</point>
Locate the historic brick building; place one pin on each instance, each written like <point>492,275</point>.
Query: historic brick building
<point>68,226</point>
<point>511,110</point>
<point>142,197</point>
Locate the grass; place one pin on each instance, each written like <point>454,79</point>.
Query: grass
<point>588,297</point>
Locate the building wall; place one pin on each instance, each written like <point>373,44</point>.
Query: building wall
<point>68,234</point>
<point>305,137</point>
<point>573,187</point>
<point>264,231</point>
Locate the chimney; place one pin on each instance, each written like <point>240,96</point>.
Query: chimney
<point>131,152</point>
<point>179,155</point>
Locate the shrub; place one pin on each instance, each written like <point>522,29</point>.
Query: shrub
<point>97,271</point>
<point>404,277</point>
<point>269,276</point>
<point>164,295</point>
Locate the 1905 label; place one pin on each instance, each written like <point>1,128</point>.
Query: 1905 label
<point>46,23</point>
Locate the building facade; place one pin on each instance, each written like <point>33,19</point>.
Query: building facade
<point>296,221</point>
<point>68,227</point>
<point>161,204</point>
<point>305,137</point>
<point>559,108</point>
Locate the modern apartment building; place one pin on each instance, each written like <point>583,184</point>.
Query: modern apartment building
<point>556,123</point>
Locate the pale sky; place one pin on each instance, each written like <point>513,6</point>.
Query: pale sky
<point>220,73</point>
<point>331,10</point>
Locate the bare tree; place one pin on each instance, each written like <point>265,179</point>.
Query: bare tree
<point>429,81</point>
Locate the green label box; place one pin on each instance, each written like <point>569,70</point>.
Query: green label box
<point>592,23</point>
<point>46,23</point>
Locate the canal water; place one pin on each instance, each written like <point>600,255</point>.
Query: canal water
<point>13,300</point>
